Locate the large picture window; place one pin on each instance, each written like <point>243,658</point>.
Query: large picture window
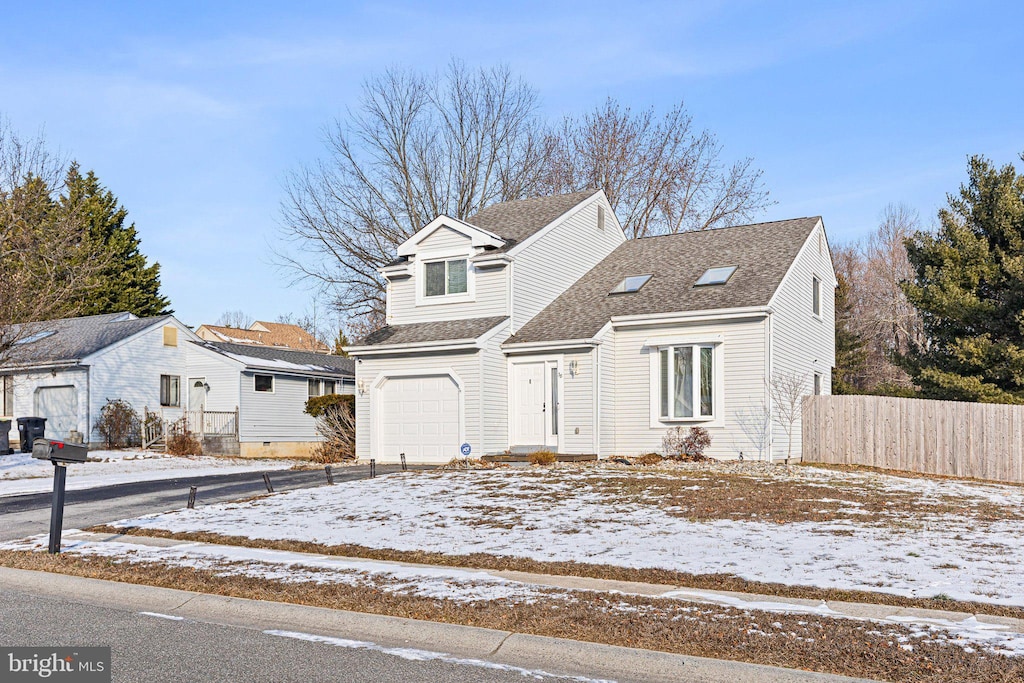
<point>687,382</point>
<point>445,277</point>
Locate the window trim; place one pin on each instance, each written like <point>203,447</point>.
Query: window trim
<point>170,381</point>
<point>816,299</point>
<point>713,341</point>
<point>310,384</point>
<point>273,384</point>
<point>420,282</point>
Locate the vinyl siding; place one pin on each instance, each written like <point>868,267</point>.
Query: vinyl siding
<point>489,286</point>
<point>466,365</point>
<point>131,371</point>
<point>550,265</point>
<point>494,394</point>
<point>223,376</point>
<point>742,385</point>
<point>803,343</point>
<point>578,403</point>
<point>275,416</point>
<point>607,401</point>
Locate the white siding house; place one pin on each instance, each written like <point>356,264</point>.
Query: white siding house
<point>537,325</point>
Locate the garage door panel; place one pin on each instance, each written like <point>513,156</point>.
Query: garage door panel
<point>59,405</point>
<point>420,417</point>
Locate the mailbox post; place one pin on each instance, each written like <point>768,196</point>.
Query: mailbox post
<point>60,454</point>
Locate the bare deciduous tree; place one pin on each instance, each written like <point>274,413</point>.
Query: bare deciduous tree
<point>787,391</point>
<point>414,148</point>
<point>46,264</point>
<point>240,320</point>
<point>660,175</point>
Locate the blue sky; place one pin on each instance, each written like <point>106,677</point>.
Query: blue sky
<point>192,113</point>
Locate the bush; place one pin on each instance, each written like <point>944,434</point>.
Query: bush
<point>184,443</point>
<point>542,458</point>
<point>119,424</point>
<point>337,426</point>
<point>318,405</point>
<point>679,444</point>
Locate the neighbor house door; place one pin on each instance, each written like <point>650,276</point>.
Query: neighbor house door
<point>197,393</point>
<point>535,404</point>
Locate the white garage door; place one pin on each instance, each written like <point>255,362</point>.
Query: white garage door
<point>420,417</point>
<point>59,405</point>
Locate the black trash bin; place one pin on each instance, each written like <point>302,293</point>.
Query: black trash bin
<point>30,429</point>
<point>5,437</point>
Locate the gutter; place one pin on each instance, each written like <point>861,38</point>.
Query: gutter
<point>445,345</point>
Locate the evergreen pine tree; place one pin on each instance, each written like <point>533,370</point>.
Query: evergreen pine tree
<point>127,282</point>
<point>851,351</point>
<point>340,342</point>
<point>969,288</point>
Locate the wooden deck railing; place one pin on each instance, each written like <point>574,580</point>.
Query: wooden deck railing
<point>160,426</point>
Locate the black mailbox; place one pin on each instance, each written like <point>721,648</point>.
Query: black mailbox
<point>58,451</point>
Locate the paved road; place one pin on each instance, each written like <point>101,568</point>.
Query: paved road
<point>151,649</point>
<point>29,514</point>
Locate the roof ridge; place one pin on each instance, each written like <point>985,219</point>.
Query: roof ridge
<point>724,227</point>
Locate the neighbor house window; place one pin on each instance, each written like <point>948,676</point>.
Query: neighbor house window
<point>817,384</point>
<point>170,390</point>
<point>314,387</point>
<point>264,383</point>
<point>170,336</point>
<point>816,294</point>
<point>687,382</point>
<point>329,387</point>
<point>445,277</point>
<point>600,218</point>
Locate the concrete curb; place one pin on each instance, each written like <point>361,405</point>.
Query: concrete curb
<point>554,655</point>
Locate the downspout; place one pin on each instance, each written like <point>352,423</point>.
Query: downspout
<point>597,401</point>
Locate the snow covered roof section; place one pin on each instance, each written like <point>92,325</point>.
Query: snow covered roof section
<point>284,361</point>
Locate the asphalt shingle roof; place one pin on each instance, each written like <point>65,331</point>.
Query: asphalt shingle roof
<point>441,330</point>
<point>515,221</point>
<point>73,339</point>
<point>762,253</point>
<point>282,360</point>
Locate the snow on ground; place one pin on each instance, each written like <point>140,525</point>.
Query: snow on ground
<point>562,516</point>
<point>466,586</point>
<point>21,473</point>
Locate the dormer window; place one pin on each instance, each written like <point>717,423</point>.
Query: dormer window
<point>442,278</point>
<point>630,284</point>
<point>715,276</point>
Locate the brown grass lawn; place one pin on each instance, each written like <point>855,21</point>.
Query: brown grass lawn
<point>840,646</point>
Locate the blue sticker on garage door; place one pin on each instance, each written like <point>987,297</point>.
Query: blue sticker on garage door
<point>466,449</point>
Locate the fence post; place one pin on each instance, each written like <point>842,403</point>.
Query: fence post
<point>373,468</point>
<point>330,475</point>
<point>237,427</point>
<point>192,497</point>
<point>266,480</point>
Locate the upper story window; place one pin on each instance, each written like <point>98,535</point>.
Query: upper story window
<point>686,382</point>
<point>442,278</point>
<point>263,383</point>
<point>816,295</point>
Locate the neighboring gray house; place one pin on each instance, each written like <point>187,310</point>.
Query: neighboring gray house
<point>244,399</point>
<point>536,324</point>
<point>269,386</point>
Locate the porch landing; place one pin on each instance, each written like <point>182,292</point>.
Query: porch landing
<point>525,457</point>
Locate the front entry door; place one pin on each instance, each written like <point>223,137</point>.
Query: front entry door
<point>536,404</point>
<point>197,393</point>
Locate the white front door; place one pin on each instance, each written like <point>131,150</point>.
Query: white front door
<point>59,405</point>
<point>197,393</point>
<point>419,416</point>
<point>535,404</point>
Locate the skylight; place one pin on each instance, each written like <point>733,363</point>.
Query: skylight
<point>36,337</point>
<point>630,284</point>
<point>715,276</point>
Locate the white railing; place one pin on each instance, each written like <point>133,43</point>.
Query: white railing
<point>159,426</point>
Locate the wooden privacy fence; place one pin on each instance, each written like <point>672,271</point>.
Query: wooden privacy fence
<point>979,440</point>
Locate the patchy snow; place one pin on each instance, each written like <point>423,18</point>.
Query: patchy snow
<point>418,655</point>
<point>464,586</point>
<point>21,473</point>
<point>563,517</point>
